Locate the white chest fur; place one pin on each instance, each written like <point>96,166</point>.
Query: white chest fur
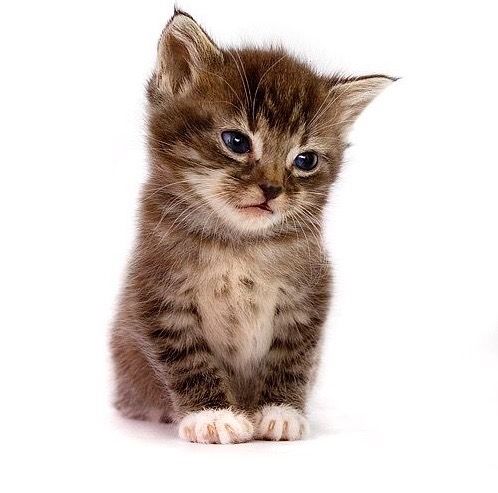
<point>237,298</point>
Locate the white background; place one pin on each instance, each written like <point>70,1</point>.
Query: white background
<point>408,395</point>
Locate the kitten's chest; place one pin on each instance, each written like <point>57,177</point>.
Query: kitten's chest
<point>237,299</point>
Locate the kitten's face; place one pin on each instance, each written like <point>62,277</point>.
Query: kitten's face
<point>245,142</point>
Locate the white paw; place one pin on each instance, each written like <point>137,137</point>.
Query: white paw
<point>280,423</point>
<point>216,426</point>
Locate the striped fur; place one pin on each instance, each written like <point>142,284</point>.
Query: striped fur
<point>220,318</point>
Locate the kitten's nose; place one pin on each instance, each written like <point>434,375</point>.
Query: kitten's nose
<point>270,190</point>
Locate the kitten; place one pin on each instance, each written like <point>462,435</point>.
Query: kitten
<point>221,315</point>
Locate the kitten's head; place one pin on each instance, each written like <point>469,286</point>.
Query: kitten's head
<point>244,142</point>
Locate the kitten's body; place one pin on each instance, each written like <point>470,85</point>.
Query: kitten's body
<point>221,316</point>
<point>240,294</point>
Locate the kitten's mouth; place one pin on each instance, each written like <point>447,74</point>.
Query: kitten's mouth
<point>262,208</point>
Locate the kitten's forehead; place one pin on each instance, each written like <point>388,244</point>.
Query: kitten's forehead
<point>277,92</point>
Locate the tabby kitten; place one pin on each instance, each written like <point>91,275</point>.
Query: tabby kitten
<point>221,315</point>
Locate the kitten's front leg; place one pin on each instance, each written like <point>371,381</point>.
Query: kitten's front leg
<point>198,385</point>
<point>286,376</point>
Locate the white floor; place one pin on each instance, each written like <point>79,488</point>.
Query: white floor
<point>401,405</point>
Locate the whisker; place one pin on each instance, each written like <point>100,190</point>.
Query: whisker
<point>159,189</point>
<point>241,77</point>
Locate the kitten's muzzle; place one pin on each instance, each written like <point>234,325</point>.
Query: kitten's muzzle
<point>263,207</point>
<point>270,190</point>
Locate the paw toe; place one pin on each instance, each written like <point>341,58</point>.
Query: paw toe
<point>280,423</point>
<point>216,426</point>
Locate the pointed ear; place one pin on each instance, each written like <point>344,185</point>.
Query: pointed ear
<point>353,95</point>
<point>183,50</point>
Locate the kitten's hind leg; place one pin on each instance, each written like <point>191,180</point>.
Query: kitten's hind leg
<point>138,394</point>
<point>134,410</point>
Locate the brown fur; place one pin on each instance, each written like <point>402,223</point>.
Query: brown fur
<point>219,310</point>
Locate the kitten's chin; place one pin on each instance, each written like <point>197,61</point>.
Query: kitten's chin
<point>252,218</point>
<point>255,221</point>
<point>256,211</point>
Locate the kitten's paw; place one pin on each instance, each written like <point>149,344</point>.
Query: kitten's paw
<point>280,423</point>
<point>216,426</point>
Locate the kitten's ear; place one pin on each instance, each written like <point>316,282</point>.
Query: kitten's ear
<point>353,95</point>
<point>183,50</point>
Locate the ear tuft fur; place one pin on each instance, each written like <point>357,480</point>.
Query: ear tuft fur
<point>183,50</point>
<point>354,94</point>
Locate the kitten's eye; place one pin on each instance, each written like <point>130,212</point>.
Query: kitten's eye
<point>306,161</point>
<point>236,141</point>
